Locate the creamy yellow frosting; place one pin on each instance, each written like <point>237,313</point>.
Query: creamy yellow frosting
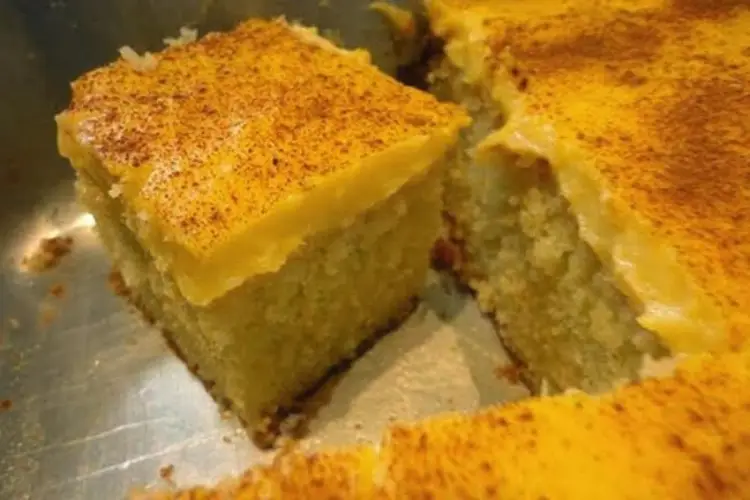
<point>229,152</point>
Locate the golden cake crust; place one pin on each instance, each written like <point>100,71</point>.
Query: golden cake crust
<point>682,436</point>
<point>655,95</point>
<point>220,130</point>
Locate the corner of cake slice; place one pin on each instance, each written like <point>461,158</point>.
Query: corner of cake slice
<point>269,199</point>
<point>600,209</point>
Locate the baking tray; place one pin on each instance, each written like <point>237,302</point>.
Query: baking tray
<point>98,403</point>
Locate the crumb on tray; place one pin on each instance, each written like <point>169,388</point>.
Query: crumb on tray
<point>5,404</point>
<point>166,472</point>
<point>510,372</point>
<point>57,290</point>
<point>48,254</point>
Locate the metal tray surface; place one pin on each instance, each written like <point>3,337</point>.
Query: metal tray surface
<point>99,403</point>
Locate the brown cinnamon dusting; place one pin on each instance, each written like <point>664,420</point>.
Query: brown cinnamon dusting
<point>5,405</point>
<point>626,39</point>
<point>325,112</point>
<point>48,254</point>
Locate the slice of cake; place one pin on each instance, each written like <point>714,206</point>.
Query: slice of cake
<point>683,436</point>
<point>601,209</point>
<point>269,199</point>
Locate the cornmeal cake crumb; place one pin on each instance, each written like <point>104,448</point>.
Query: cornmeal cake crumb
<point>117,284</point>
<point>268,199</point>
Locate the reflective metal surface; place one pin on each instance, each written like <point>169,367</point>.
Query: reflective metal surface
<point>99,403</point>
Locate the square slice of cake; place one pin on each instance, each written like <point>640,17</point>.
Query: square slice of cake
<point>601,209</point>
<point>269,199</point>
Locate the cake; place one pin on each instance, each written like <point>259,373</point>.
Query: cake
<point>599,207</point>
<point>269,199</point>
<point>682,436</point>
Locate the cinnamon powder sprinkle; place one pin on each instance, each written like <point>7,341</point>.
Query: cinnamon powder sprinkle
<point>275,104</point>
<point>48,254</point>
<point>57,291</point>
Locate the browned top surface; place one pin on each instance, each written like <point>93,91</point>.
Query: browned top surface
<point>223,129</point>
<point>656,93</point>
<point>683,437</point>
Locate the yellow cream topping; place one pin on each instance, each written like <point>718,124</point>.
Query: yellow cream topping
<point>230,151</point>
